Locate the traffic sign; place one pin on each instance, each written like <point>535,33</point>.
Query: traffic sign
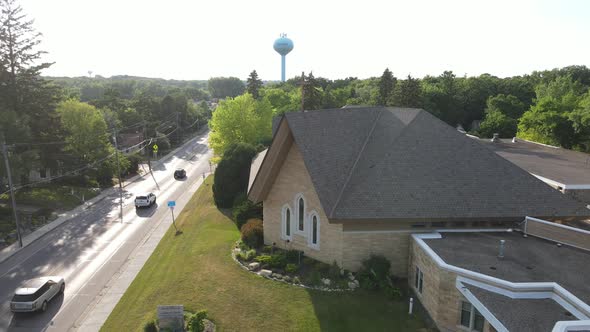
<point>155,147</point>
<point>171,203</point>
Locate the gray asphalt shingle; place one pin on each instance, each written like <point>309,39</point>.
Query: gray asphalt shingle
<point>396,163</point>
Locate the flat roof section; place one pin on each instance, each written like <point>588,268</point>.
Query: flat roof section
<point>560,165</point>
<point>523,315</point>
<point>527,259</point>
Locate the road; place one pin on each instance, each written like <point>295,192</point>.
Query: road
<point>90,249</point>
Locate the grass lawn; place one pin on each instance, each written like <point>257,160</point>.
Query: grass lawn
<point>195,269</point>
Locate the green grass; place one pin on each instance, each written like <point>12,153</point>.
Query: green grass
<point>195,269</point>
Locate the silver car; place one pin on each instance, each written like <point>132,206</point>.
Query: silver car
<point>36,293</point>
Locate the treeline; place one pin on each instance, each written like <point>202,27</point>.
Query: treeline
<point>65,128</point>
<point>551,106</point>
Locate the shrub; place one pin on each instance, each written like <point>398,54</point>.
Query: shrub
<point>150,327</point>
<point>334,271</point>
<point>315,278</point>
<point>392,293</point>
<point>246,210</point>
<point>292,256</point>
<point>277,260</point>
<point>231,175</point>
<point>267,249</point>
<point>253,233</point>
<point>195,321</point>
<point>291,268</point>
<point>134,161</point>
<point>374,273</point>
<point>247,255</point>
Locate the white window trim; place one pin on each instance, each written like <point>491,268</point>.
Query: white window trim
<point>296,205</point>
<point>310,237</point>
<point>471,326</point>
<point>284,223</point>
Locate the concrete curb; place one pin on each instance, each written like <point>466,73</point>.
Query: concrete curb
<point>12,249</point>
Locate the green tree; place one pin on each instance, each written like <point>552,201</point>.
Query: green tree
<point>312,93</point>
<point>547,122</point>
<point>223,87</point>
<point>241,119</point>
<point>497,122</point>
<point>254,84</point>
<point>407,93</point>
<point>386,85</point>
<point>231,175</point>
<point>282,101</point>
<point>508,105</point>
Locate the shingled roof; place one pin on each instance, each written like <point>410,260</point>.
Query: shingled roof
<point>400,163</point>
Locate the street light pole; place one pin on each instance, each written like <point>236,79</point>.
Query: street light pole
<point>9,174</point>
<point>118,173</point>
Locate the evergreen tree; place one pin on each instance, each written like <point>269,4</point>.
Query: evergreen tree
<point>408,93</point>
<point>312,93</point>
<point>386,85</point>
<point>254,84</point>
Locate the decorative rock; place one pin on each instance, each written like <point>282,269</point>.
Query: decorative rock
<point>352,285</point>
<point>287,279</point>
<point>253,266</point>
<point>351,277</point>
<point>341,272</point>
<point>237,250</point>
<point>277,276</point>
<point>265,273</point>
<point>357,283</point>
<point>296,280</point>
<point>326,281</point>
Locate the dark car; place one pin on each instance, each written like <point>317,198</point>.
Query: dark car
<point>180,173</point>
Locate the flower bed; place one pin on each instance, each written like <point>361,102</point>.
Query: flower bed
<point>291,266</point>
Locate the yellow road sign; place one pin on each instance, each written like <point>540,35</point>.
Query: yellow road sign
<point>155,147</point>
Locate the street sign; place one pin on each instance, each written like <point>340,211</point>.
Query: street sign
<point>171,203</point>
<point>155,147</point>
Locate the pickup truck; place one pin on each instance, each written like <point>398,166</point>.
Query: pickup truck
<point>146,200</point>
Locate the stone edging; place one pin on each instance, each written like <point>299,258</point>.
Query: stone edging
<point>324,289</point>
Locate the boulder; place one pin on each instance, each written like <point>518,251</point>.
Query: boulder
<point>352,285</point>
<point>287,279</point>
<point>350,276</point>
<point>254,266</point>
<point>357,283</point>
<point>265,273</point>
<point>326,281</point>
<point>296,280</point>
<point>277,276</point>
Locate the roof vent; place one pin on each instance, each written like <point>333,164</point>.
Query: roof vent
<point>496,138</point>
<point>559,244</point>
<point>514,140</point>
<point>501,253</point>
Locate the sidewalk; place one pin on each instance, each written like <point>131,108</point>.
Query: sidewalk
<point>12,249</point>
<point>96,314</point>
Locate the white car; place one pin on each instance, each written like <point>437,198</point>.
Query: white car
<point>146,200</point>
<point>36,293</point>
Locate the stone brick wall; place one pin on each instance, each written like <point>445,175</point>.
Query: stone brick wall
<point>440,297</point>
<point>360,245</point>
<point>291,180</point>
<point>556,233</point>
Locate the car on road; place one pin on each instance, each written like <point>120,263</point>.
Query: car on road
<point>179,173</point>
<point>146,200</point>
<point>36,293</point>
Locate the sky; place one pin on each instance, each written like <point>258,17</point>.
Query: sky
<point>175,39</point>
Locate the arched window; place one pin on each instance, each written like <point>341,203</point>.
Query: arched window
<point>301,214</point>
<point>286,223</point>
<point>314,231</point>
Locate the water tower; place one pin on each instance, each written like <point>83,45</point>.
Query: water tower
<point>283,46</point>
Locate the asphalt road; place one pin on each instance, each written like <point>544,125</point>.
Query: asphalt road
<point>91,248</point>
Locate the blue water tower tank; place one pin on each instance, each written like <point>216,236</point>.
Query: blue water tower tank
<point>283,46</point>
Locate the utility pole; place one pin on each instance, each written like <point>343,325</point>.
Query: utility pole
<point>8,173</point>
<point>146,149</point>
<point>118,173</point>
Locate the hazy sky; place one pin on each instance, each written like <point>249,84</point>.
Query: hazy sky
<point>200,39</point>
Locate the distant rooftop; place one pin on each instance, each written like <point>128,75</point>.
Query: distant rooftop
<point>564,166</point>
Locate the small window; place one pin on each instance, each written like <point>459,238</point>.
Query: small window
<point>418,280</point>
<point>286,223</point>
<point>471,318</point>
<point>43,173</point>
<point>314,230</point>
<point>301,214</point>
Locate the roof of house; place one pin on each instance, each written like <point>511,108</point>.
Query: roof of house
<point>527,259</point>
<point>405,164</point>
<point>557,164</point>
<point>523,315</point>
